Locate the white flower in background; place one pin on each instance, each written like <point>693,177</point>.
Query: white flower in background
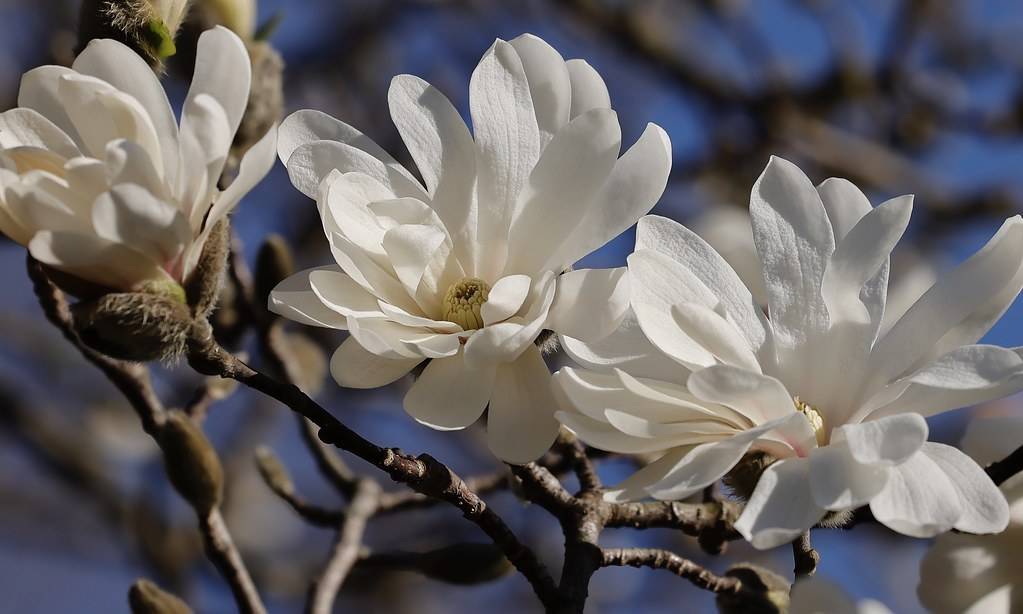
<point>814,385</point>
<point>981,574</point>
<point>814,595</point>
<point>465,269</point>
<point>98,180</point>
<point>729,231</point>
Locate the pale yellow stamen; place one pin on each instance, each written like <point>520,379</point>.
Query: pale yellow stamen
<point>463,300</point>
<point>814,418</point>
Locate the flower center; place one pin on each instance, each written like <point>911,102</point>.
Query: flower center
<point>463,300</point>
<point>814,418</point>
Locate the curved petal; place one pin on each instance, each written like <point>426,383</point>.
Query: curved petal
<point>984,508</point>
<point>632,188</point>
<point>448,395</point>
<point>759,397</point>
<point>839,482</point>
<point>845,204</point>
<point>505,341</point>
<point>223,71</point>
<point>410,249</point>
<point>561,189</point>
<point>685,247</point>
<point>129,214</point>
<point>781,506</point>
<point>308,125</point>
<point>38,91</point>
<point>716,334</point>
<point>354,367</point>
<point>312,162</point>
<point>94,259</point>
<point>589,303</point>
<point>340,293</point>
<point>505,298</point>
<point>635,486</point>
<point>588,89</point>
<point>918,500</point>
<point>549,85</point>
<point>521,424</point>
<point>887,441</point>
<point>508,146</point>
<point>294,299</point>
<point>27,128</point>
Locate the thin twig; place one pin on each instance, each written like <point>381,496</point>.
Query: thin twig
<point>663,559</point>
<point>582,464</point>
<point>804,557</point>
<point>345,553</point>
<point>391,502</point>
<point>222,552</point>
<point>1000,471</point>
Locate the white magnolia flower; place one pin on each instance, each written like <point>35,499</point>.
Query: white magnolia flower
<point>465,268</point>
<point>980,574</point>
<point>814,595</point>
<point>814,384</point>
<point>99,181</point>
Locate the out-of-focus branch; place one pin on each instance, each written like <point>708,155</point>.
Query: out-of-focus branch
<point>804,557</point>
<point>1000,471</point>
<point>222,552</point>
<point>345,552</point>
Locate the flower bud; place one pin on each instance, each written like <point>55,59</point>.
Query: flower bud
<point>763,592</point>
<point>273,471</point>
<point>144,597</point>
<point>743,478</point>
<point>192,464</point>
<point>266,98</point>
<point>147,26</point>
<point>135,326</point>
<point>203,286</point>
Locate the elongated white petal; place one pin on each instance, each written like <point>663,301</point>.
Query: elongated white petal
<point>844,203</point>
<point>506,340</point>
<point>340,293</point>
<point>715,334</point>
<point>984,508</point>
<point>508,146</point>
<point>308,125</point>
<point>27,128</point>
<point>949,302</point>
<point>550,86</point>
<point>759,397</point>
<point>294,299</point>
<point>635,486</point>
<point>353,367</point>
<point>918,500</point>
<point>311,163</point>
<point>222,70</point>
<point>449,395</point>
<point>588,89</point>
<point>603,436</point>
<point>635,184</point>
<point>706,264</point>
<point>589,303</point>
<point>90,257</point>
<point>561,188</point>
<point>410,249</point>
<point>781,506</point>
<point>521,424</point>
<point>38,92</point>
<point>130,215</point>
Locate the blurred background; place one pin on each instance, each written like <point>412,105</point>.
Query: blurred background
<point>911,96</point>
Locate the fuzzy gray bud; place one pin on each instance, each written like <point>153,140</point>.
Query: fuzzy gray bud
<point>134,326</point>
<point>743,478</point>
<point>763,592</point>
<point>147,26</point>
<point>145,597</point>
<point>203,285</point>
<point>192,464</point>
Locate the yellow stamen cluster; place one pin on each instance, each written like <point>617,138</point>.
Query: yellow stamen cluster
<point>463,300</point>
<point>814,418</point>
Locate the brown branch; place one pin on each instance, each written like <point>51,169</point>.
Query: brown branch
<point>391,502</point>
<point>711,522</point>
<point>345,553</point>
<point>423,473</point>
<point>1000,471</point>
<point>222,552</point>
<point>582,464</point>
<point>804,557</point>
<point>664,559</point>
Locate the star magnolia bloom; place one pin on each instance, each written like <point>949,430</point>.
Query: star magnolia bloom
<point>980,574</point>
<point>98,180</point>
<point>466,269</point>
<point>814,385</point>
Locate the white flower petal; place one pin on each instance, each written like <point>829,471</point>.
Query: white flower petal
<point>588,89</point>
<point>505,341</point>
<point>38,92</point>
<point>635,486</point>
<point>294,299</point>
<point>308,125</point>
<point>561,188</point>
<point>521,424</point>
<point>844,203</point>
<point>129,214</point>
<point>549,84</point>
<point>255,164</point>
<point>887,441</point>
<point>839,482</point>
<point>918,500</point>
<point>439,345</point>
<point>312,162</point>
<point>781,506</point>
<point>632,188</point>
<point>98,260</point>
<point>354,367</point>
<point>589,303</point>
<point>223,71</point>
<point>984,508</point>
<point>340,293</point>
<point>508,146</point>
<point>449,395</point>
<point>369,274</point>
<point>685,247</point>
<point>27,128</point>
<point>716,335</point>
<point>410,249</point>
<point>505,299</point>
<point>759,397</point>
<point>403,317</point>
<point>603,436</point>
<point>957,294</point>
